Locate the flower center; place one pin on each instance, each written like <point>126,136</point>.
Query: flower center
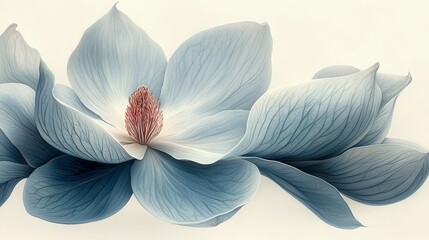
<point>143,118</point>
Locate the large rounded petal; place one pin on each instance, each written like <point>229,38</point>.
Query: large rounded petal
<point>113,59</point>
<point>315,119</point>
<point>376,174</point>
<point>19,63</point>
<point>206,140</point>
<point>223,68</point>
<point>18,124</point>
<point>69,130</point>
<point>188,193</point>
<point>320,197</point>
<point>70,190</point>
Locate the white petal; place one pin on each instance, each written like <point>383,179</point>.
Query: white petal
<point>205,141</point>
<point>113,59</point>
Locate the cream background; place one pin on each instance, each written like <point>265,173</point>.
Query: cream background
<point>307,36</point>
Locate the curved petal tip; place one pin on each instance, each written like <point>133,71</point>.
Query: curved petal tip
<point>374,67</point>
<point>12,27</point>
<point>409,78</point>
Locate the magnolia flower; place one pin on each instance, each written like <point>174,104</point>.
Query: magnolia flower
<point>131,123</point>
<point>191,137</point>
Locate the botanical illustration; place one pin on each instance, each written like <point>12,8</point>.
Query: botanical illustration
<point>190,136</point>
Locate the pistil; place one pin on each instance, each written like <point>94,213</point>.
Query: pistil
<point>143,117</point>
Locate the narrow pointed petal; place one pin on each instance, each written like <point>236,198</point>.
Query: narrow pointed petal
<point>390,86</point>
<point>18,124</point>
<point>315,119</point>
<point>8,152</point>
<point>223,68</point>
<point>205,141</point>
<point>188,193</point>
<point>320,197</point>
<point>377,174</point>
<point>10,174</point>
<point>70,191</point>
<point>19,63</point>
<point>113,59</point>
<point>71,131</point>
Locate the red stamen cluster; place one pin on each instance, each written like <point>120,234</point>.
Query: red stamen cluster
<point>143,118</point>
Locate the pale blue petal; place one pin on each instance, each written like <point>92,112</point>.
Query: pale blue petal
<point>319,196</point>
<point>404,143</point>
<point>10,174</point>
<point>206,140</point>
<point>67,96</point>
<point>215,221</point>
<point>19,63</point>
<point>380,127</point>
<point>18,124</point>
<point>71,131</point>
<point>376,174</point>
<point>223,68</point>
<point>69,190</point>
<point>315,119</point>
<point>8,152</point>
<point>13,167</point>
<point>187,193</point>
<point>335,71</point>
<point>113,59</point>
<point>390,85</point>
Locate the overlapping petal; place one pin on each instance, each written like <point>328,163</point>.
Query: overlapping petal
<point>206,140</point>
<point>71,131</point>
<point>19,63</point>
<point>70,190</point>
<point>223,68</point>
<point>113,59</point>
<point>18,124</point>
<point>187,193</point>
<point>376,174</point>
<point>13,167</point>
<point>8,152</point>
<point>320,197</point>
<point>11,174</point>
<point>315,119</point>
<point>390,85</point>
